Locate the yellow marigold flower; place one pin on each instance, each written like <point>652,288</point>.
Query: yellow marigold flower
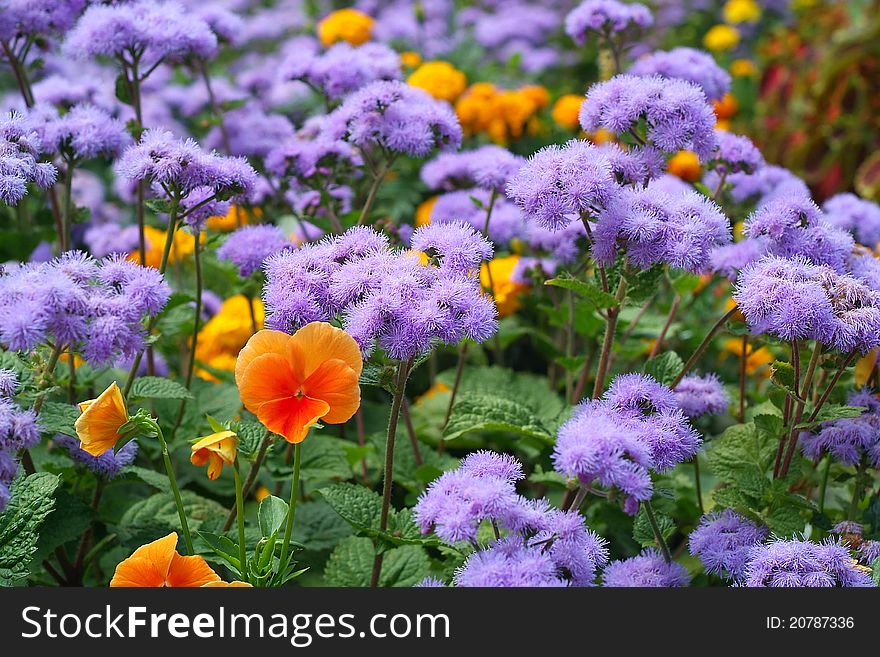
<point>726,107</point>
<point>741,11</point>
<point>743,68</point>
<point>565,111</point>
<point>723,125</point>
<point>262,493</point>
<point>685,165</point>
<point>721,37</point>
<point>755,359</point>
<point>182,246</point>
<point>215,451</point>
<point>410,59</point>
<point>223,336</point>
<point>440,79</point>
<point>423,211</point>
<point>505,290</point>
<point>349,25</point>
<point>235,218</point>
<point>864,367</point>
<point>537,94</point>
<point>65,357</point>
<point>98,425</point>
<point>602,136</point>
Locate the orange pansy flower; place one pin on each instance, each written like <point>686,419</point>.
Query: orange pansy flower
<point>227,585</point>
<point>158,564</point>
<point>216,450</point>
<point>291,381</point>
<point>98,426</point>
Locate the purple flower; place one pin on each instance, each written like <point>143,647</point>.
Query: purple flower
<point>796,227</point>
<point>488,167</point>
<point>767,183</point>
<point>676,113</point>
<point>605,18</point>
<point>18,430</point>
<point>20,146</point>
<point>723,541</point>
<point>735,154</point>
<point>249,246</point>
<point>8,383</point>
<point>573,547</point>
<point>686,64</point>
<point>863,265</point>
<point>397,118</point>
<point>559,183</point>
<point>108,465</point>
<point>484,463</point>
<point>471,206</point>
<point>701,395</point>
<point>801,563</point>
<point>856,215</point>
<point>869,552</point>
<point>343,69</point>
<point>158,31</point>
<point>457,246</point>
<point>431,582</point>
<point>847,527</point>
<point>509,563</point>
<point>729,259</point>
<point>311,153</point>
<point>252,132</point>
<point>848,439</point>
<point>36,18</point>
<point>647,569</point>
<point>650,227</point>
<point>84,133</point>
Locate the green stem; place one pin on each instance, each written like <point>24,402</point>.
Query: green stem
<point>664,549</point>
<point>166,458</point>
<point>67,217</point>
<point>291,509</point>
<point>857,489</point>
<point>697,485</point>
<point>374,188</point>
<point>239,506</point>
<point>251,478</point>
<point>703,345</point>
<point>823,487</point>
<point>799,409</point>
<point>608,342</point>
<point>388,474</point>
<point>459,368</point>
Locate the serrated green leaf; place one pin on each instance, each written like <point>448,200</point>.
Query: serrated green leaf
<point>223,547</point>
<point>642,285</point>
<point>741,451</point>
<point>491,413</point>
<point>324,460</point>
<point>642,532</point>
<point>69,521</point>
<point>664,367</point>
<point>157,387</point>
<point>272,515</point>
<point>158,480</point>
<point>156,516</point>
<point>250,435</point>
<point>58,418</point>
<point>318,527</point>
<point>351,564</point>
<point>595,295</point>
<point>32,499</point>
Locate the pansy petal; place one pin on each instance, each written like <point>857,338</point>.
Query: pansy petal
<point>337,384</point>
<point>262,342</point>
<point>291,417</point>
<point>320,342</point>
<point>268,377</point>
<point>148,566</point>
<point>190,572</point>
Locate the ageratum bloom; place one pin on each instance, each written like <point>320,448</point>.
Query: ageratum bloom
<point>488,167</point>
<point>650,227</point>
<point>723,541</point>
<point>856,215</point>
<point>509,563</point>
<point>801,563</point>
<point>559,183</point>
<point>735,154</point>
<point>249,246</point>
<point>83,133</point>
<point>676,113</point>
<point>506,223</point>
<point>20,148</point>
<point>686,64</point>
<point>396,118</point>
<point>37,18</point>
<point>95,307</point>
<point>343,68</point>
<point>848,439</point>
<point>729,259</point>
<point>647,569</point>
<point>18,430</point>
<point>605,18</point>
<point>701,395</point>
<point>767,183</point>
<point>107,465</point>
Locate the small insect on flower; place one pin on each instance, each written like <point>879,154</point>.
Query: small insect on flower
<point>215,451</point>
<point>291,381</point>
<point>158,565</point>
<point>98,425</point>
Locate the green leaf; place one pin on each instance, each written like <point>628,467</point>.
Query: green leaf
<point>56,417</point>
<point>491,413</point>
<point>643,284</point>
<point>324,460</point>
<point>250,435</point>
<point>272,515</point>
<point>158,480</point>
<point>318,527</point>
<point>875,571</point>
<point>223,547</point>
<point>741,452</point>
<point>351,564</point>
<point>71,518</point>
<point>592,293</point>
<point>122,92</point>
<point>157,387</point>
<point>682,281</point>
<point>836,412</point>
<point>156,516</point>
<point>642,532</point>
<point>782,376</point>
<point>32,500</point>
<point>664,367</point>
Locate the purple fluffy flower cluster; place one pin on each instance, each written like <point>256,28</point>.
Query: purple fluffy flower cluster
<point>800,563</point>
<point>686,64</point>
<point>636,427</point>
<point>702,395</point>
<point>506,221</point>
<point>83,133</point>
<point>145,30</point>
<point>20,148</point>
<point>18,430</point>
<point>796,227</point>
<point>249,246</point>
<point>108,465</point>
<point>856,215</point>
<point>767,183</point>
<point>543,546</point>
<point>723,541</point>
<point>647,569</point>
<point>848,439</point>
<point>312,154</point>
<point>605,18</point>
<point>651,227</point>
<point>794,299</point>
<point>37,17</point>
<point>488,167</point>
<point>735,154</point>
<point>251,131</point>
<point>94,307</point>
<point>730,259</point>
<point>676,112</point>
<point>385,297</point>
<point>343,68</point>
<point>396,119</point>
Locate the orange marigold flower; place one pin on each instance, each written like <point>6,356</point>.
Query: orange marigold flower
<point>98,426</point>
<point>685,165</point>
<point>350,25</point>
<point>423,211</point>
<point>158,564</point>
<point>566,109</point>
<point>291,381</point>
<point>726,107</point>
<point>216,450</point>
<point>505,290</point>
